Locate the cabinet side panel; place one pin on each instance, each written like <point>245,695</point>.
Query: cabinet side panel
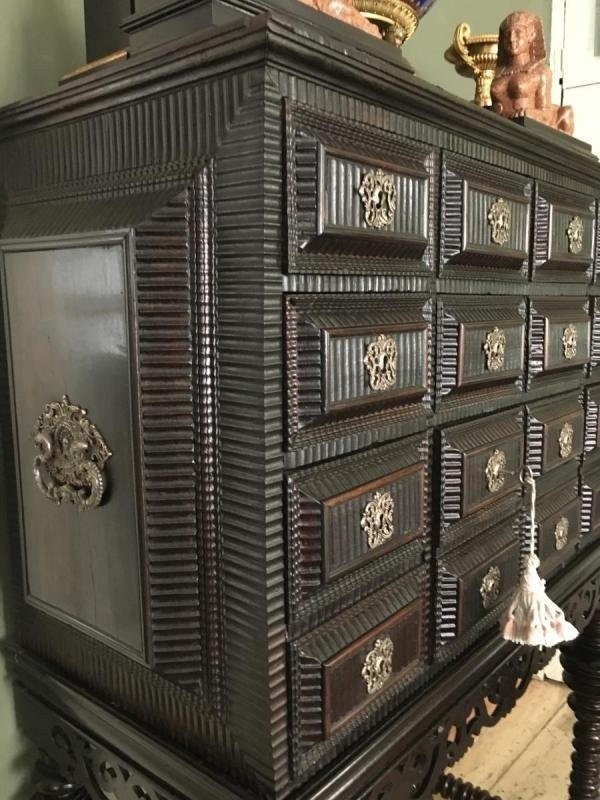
<point>68,335</point>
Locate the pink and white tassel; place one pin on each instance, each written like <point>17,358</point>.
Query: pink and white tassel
<point>533,618</point>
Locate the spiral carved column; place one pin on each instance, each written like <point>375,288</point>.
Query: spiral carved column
<point>581,661</point>
<point>452,788</point>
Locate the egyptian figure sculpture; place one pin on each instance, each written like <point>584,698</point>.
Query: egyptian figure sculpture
<point>523,81</point>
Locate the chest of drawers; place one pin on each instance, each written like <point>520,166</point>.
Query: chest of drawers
<point>281,326</point>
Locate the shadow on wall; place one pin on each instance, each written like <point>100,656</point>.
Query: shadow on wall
<point>39,42</point>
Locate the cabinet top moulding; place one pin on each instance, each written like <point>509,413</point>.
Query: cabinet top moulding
<point>294,38</point>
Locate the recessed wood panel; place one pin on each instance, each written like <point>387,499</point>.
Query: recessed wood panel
<point>67,325</point>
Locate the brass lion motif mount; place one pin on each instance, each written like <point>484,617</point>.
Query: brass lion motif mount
<point>73,453</point>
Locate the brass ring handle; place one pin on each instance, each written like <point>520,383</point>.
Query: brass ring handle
<point>73,453</point>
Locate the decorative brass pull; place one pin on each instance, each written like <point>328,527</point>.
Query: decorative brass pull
<point>575,235</point>
<point>499,219</point>
<point>72,456</point>
<point>491,586</point>
<point>381,362</point>
<point>561,533</point>
<point>377,667</point>
<point>378,519</point>
<point>495,471</point>
<point>565,440</point>
<point>378,194</point>
<point>569,342</point>
<point>494,348</point>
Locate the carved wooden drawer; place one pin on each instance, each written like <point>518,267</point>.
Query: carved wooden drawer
<point>555,431</point>
<point>349,357</point>
<point>564,234</point>
<point>475,578</point>
<point>486,217</point>
<point>481,464</point>
<point>558,518</point>
<point>559,337</point>
<point>345,670</point>
<point>480,345</point>
<point>348,513</point>
<point>359,200</point>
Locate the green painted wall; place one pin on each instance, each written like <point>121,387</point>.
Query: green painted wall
<point>425,50</point>
<point>40,40</point>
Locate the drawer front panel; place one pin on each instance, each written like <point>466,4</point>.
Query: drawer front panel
<point>475,578</point>
<point>482,589</point>
<point>355,667</point>
<point>67,328</point>
<point>559,532</point>
<point>358,199</point>
<point>345,514</point>
<point>356,674</point>
<point>559,334</point>
<point>481,463</point>
<point>486,214</point>
<point>480,346</point>
<point>565,233</point>
<point>348,357</point>
<point>555,432</point>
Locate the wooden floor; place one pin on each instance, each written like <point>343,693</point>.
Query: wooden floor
<point>527,756</point>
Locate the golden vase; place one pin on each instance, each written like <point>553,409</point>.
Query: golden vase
<point>475,57</point>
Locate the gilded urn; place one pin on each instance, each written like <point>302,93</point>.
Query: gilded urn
<point>397,20</point>
<point>475,57</point>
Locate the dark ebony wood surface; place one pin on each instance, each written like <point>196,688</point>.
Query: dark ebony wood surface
<point>231,164</point>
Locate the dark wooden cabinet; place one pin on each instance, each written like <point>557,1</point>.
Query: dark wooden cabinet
<point>281,326</point>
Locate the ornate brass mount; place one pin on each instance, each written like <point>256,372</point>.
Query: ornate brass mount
<point>495,471</point>
<point>396,20</point>
<point>561,533</point>
<point>575,235</point>
<point>565,440</point>
<point>475,57</point>
<point>377,667</point>
<point>73,453</point>
<point>499,219</point>
<point>491,586</point>
<point>381,362</point>
<point>378,519</point>
<point>569,342</point>
<point>494,348</point>
<point>378,194</point>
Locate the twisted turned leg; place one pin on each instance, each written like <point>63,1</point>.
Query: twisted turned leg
<point>581,662</point>
<point>451,788</point>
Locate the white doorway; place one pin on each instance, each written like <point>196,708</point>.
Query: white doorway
<point>575,60</point>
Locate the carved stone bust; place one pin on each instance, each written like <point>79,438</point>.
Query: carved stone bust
<point>523,81</point>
